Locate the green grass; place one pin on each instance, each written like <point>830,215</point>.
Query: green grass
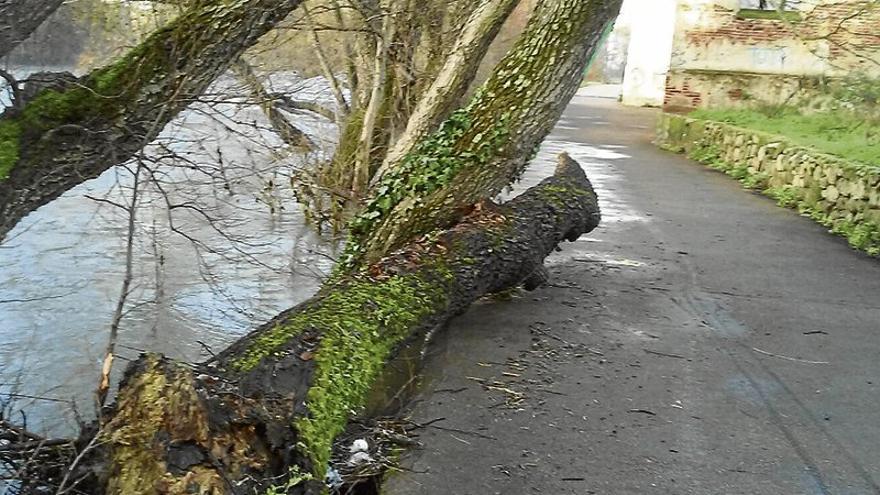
<point>837,133</point>
<point>772,15</point>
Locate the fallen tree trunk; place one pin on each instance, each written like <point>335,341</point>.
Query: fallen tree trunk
<point>286,131</point>
<point>63,137</point>
<point>287,103</point>
<point>265,411</point>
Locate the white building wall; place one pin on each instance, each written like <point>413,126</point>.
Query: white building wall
<point>652,28</point>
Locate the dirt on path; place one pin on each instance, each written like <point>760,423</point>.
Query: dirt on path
<point>701,341</point>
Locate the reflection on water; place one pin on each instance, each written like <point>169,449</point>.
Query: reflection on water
<point>220,246</point>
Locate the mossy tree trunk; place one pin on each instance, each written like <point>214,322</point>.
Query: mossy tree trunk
<point>20,18</point>
<point>402,46</point>
<point>62,137</point>
<point>455,77</point>
<point>265,411</point>
<point>484,147</point>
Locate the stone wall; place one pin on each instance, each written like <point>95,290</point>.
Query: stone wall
<point>840,194</point>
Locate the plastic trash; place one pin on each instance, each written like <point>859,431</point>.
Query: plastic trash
<point>359,445</point>
<point>333,479</point>
<point>359,458</point>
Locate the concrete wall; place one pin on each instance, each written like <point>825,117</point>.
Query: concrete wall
<point>651,27</point>
<point>843,195</point>
<point>724,56</point>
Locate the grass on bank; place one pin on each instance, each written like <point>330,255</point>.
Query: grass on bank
<point>838,133</point>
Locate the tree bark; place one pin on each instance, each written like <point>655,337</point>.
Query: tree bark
<point>452,81</point>
<point>265,411</point>
<point>62,138</point>
<point>363,157</point>
<point>341,104</point>
<point>484,147</point>
<point>20,18</point>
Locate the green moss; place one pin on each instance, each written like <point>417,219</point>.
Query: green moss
<point>677,127</point>
<point>711,156</point>
<point>268,343</point>
<point>53,108</point>
<point>115,77</point>
<point>674,148</point>
<point>47,111</point>
<point>95,98</point>
<point>557,195</point>
<point>708,154</point>
<point>361,321</point>
<point>159,401</point>
<point>348,141</point>
<point>862,235</point>
<point>10,138</point>
<point>361,325</point>
<point>756,181</point>
<point>295,476</point>
<point>786,196</point>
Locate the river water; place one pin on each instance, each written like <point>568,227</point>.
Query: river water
<point>220,246</point>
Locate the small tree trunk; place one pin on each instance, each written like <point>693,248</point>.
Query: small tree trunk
<point>364,156</point>
<point>351,70</point>
<point>341,104</point>
<point>449,87</point>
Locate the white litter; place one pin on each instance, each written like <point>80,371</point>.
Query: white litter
<point>359,445</point>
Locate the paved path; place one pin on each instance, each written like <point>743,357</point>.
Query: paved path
<point>680,350</point>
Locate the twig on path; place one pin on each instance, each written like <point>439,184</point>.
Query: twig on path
<point>548,391</point>
<point>643,411</point>
<point>546,333</point>
<point>460,439</point>
<point>664,354</point>
<point>787,358</point>
<point>430,424</point>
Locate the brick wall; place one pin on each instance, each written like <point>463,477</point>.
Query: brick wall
<point>737,30</point>
<point>722,58</point>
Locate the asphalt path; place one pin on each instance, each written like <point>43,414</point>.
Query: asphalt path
<point>702,341</point>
